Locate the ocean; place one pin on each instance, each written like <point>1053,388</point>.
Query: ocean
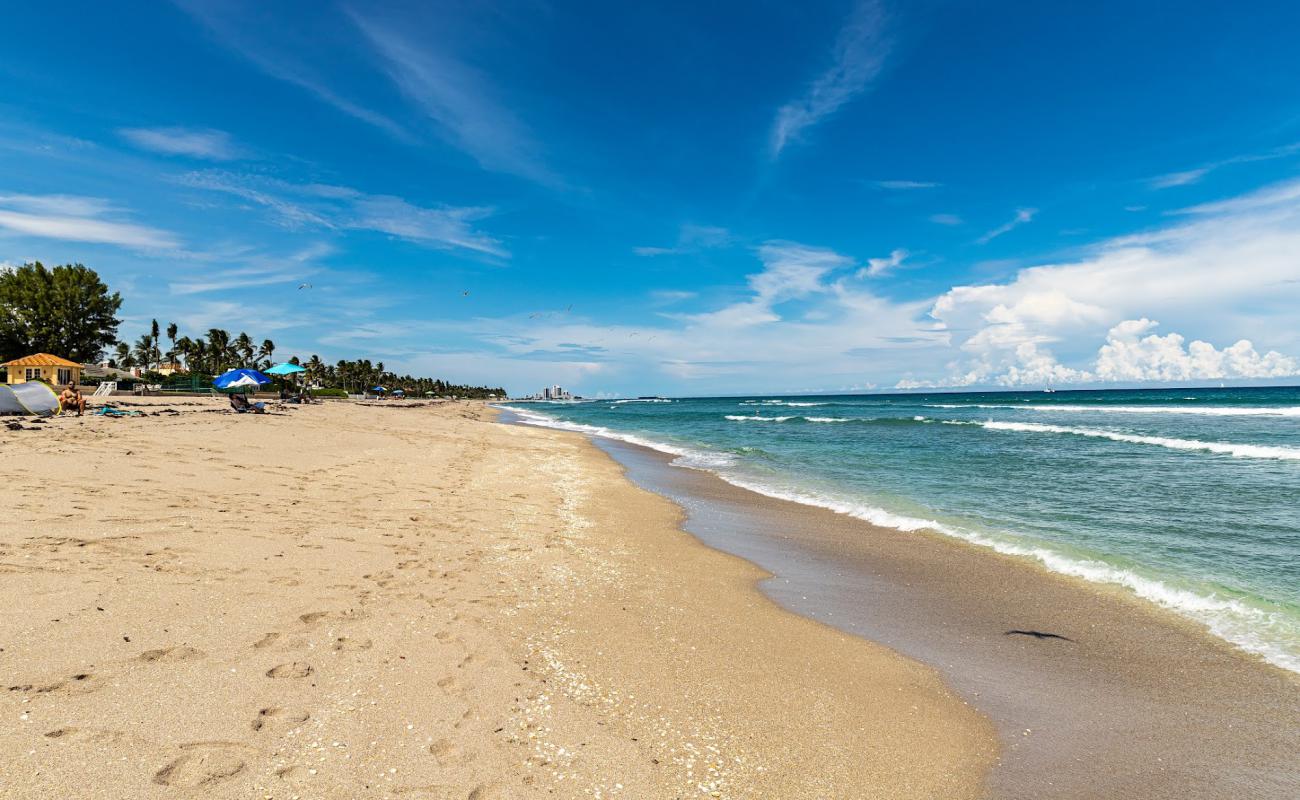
<point>1189,498</point>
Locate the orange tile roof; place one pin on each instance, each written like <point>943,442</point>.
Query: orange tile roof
<point>40,360</point>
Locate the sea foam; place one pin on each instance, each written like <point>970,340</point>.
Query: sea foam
<point>1256,630</point>
<point>1205,411</point>
<point>1224,448</point>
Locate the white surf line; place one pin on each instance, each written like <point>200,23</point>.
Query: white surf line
<point>1224,448</point>
<point>1206,411</point>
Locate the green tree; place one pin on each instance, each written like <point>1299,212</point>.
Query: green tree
<point>122,358</point>
<point>264,352</point>
<point>244,349</point>
<point>171,334</point>
<point>66,311</point>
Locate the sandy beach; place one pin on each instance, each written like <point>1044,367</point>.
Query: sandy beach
<point>414,601</point>
<point>1093,691</point>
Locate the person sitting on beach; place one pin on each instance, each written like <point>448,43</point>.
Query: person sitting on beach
<point>71,398</point>
<point>240,403</point>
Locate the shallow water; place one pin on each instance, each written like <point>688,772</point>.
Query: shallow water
<point>1190,498</point>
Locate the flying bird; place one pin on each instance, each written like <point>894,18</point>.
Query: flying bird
<point>465,293</point>
<point>304,286</point>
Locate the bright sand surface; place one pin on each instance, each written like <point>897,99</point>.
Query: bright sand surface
<point>352,600</point>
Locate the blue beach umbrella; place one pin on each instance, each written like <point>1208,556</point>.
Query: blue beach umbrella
<point>285,369</point>
<point>239,379</point>
<point>378,389</point>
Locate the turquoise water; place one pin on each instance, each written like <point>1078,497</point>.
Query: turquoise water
<point>1187,497</point>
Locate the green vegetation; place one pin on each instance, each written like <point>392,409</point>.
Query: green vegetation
<point>66,311</point>
<point>218,352</point>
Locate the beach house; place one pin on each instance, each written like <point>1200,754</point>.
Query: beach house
<point>43,367</point>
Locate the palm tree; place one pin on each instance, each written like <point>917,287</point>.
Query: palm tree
<point>171,334</point>
<point>220,352</point>
<point>183,346</point>
<point>265,351</point>
<point>144,350</point>
<point>244,348</point>
<point>155,351</point>
<point>122,356</point>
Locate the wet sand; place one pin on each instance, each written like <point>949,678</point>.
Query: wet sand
<point>1131,701</point>
<point>413,601</point>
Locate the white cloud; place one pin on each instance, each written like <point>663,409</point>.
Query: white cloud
<point>857,58</point>
<point>338,207</point>
<point>945,219</point>
<point>879,267</point>
<point>77,219</point>
<point>670,296</point>
<point>1128,355</point>
<point>1185,177</point>
<point>907,184</point>
<point>1226,272</point>
<point>1179,178</point>
<point>1022,216</point>
<point>690,239</point>
<point>207,144</point>
<point>271,49</point>
<point>458,98</point>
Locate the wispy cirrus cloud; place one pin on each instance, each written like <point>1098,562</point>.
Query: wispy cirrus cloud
<point>856,59</point>
<point>78,219</point>
<point>203,143</point>
<point>879,267</point>
<point>946,219</point>
<point>691,238</point>
<point>300,206</point>
<point>457,97</point>
<point>1189,176</point>
<point>907,184</point>
<point>272,50</point>
<point>1022,216</point>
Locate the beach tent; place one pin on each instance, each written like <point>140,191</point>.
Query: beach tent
<point>239,379</point>
<point>32,397</point>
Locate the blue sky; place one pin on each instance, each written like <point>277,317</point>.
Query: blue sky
<point>684,199</point>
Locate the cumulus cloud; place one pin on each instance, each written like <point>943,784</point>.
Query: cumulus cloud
<point>1128,355</point>
<point>857,58</point>
<point>1226,271</point>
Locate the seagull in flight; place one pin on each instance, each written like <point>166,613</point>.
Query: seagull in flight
<point>304,286</point>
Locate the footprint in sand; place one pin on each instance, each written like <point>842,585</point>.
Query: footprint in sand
<point>278,718</point>
<point>294,669</point>
<point>81,683</point>
<point>169,655</point>
<point>449,754</point>
<point>293,774</point>
<point>266,641</point>
<point>350,615</point>
<point>205,764</point>
<point>344,644</point>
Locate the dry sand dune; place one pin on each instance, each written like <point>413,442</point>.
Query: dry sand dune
<point>414,602</point>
